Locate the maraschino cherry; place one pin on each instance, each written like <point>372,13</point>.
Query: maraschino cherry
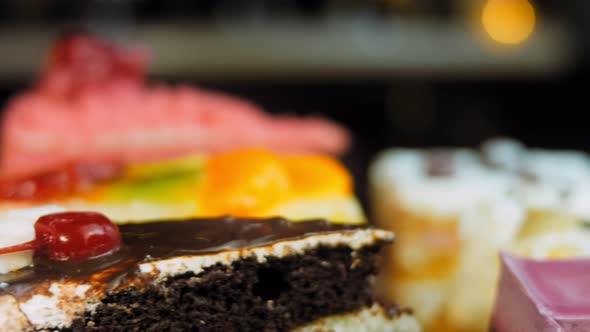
<point>71,236</point>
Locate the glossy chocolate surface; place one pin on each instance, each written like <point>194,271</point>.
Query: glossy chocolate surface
<point>160,240</point>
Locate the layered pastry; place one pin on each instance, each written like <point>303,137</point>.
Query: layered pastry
<point>550,180</point>
<point>252,182</point>
<point>451,216</point>
<point>454,209</point>
<point>87,274</point>
<point>543,295</point>
<point>91,102</point>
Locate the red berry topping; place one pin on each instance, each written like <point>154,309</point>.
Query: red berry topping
<point>59,182</point>
<point>80,62</point>
<point>72,236</point>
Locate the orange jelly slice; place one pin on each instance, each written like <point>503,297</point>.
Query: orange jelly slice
<point>244,183</point>
<point>317,175</point>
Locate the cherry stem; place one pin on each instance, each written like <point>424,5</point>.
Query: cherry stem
<point>19,247</point>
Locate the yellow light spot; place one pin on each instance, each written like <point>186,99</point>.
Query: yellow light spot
<point>508,21</point>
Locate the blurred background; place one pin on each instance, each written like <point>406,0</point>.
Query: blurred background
<point>396,72</point>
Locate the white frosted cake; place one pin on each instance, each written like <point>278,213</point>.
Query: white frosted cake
<point>454,209</point>
<point>198,274</point>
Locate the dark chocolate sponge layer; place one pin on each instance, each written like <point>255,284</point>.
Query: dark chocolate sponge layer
<point>277,295</point>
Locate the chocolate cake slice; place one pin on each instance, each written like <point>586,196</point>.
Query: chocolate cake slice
<point>222,274</point>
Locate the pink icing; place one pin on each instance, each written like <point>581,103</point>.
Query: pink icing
<point>543,295</point>
<point>105,111</point>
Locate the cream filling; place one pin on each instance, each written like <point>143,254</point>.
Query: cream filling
<point>371,319</point>
<point>197,264</point>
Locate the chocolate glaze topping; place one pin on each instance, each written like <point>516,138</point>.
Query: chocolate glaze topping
<point>160,240</point>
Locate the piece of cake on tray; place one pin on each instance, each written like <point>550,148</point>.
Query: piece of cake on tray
<point>455,209</point>
<point>543,295</point>
<point>451,215</point>
<point>91,102</point>
<point>91,134</point>
<point>77,271</point>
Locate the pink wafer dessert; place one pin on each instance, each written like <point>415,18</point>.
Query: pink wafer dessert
<point>92,103</point>
<point>543,295</point>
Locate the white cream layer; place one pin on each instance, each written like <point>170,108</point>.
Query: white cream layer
<point>402,173</point>
<point>537,179</point>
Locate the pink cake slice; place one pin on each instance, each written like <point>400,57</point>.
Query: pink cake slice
<point>543,295</point>
<point>92,102</point>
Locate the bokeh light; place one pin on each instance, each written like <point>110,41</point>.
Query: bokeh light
<point>508,21</point>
